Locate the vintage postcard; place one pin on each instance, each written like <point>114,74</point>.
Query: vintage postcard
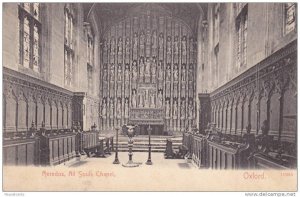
<point>163,96</point>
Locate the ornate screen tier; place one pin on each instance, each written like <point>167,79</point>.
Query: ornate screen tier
<point>148,65</point>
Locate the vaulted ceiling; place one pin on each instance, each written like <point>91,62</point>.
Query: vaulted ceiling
<point>109,13</point>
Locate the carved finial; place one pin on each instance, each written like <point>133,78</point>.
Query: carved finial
<point>248,128</point>
<point>265,127</point>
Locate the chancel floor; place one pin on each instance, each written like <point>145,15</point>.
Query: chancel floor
<point>158,162</point>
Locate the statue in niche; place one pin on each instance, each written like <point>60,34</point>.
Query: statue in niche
<point>175,92</point>
<point>112,88</point>
<point>147,66</point>
<point>161,41</point>
<point>176,46</point>
<point>120,49</point>
<point>112,72</point>
<point>111,105</point>
<point>191,109</point>
<point>159,99</point>
<point>127,72</point>
<point>119,89</point>
<point>191,72</point>
<point>183,91</point>
<point>175,110</point>
<point>142,67</point>
<point>135,44</point>
<point>183,45</point>
<point>169,50</point>
<point>160,70</point>
<point>119,72</point>
<point>119,108</point>
<point>191,88</point>
<point>147,70</point>
<point>161,46</point>
<point>134,71</point>
<point>169,47</point>
<point>126,110</point>
<point>182,110</point>
<point>167,109</point>
<point>135,40</point>
<point>152,100</point>
<point>191,45</point>
<point>154,43</point>
<point>153,69</point>
<point>142,43</point>
<point>183,73</point>
<point>148,38</point>
<point>112,46</point>
<point>148,43</point>
<point>112,50</point>
<point>120,44</point>
<point>146,99</point>
<point>133,98</point>
<point>103,112</point>
<point>141,100</point>
<point>127,46</point>
<point>105,47</point>
<point>127,89</point>
<point>168,73</point>
<point>105,75</point>
<point>154,60</point>
<point>175,73</point>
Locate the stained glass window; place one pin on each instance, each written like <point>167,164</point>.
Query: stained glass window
<point>69,51</point>
<point>35,48</point>
<point>90,56</point>
<point>241,37</point>
<point>290,17</point>
<point>216,22</point>
<point>29,28</point>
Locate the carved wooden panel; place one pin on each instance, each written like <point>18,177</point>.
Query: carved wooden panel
<point>264,92</point>
<point>28,100</point>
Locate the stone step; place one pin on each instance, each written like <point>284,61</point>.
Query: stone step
<point>152,143</point>
<point>158,143</point>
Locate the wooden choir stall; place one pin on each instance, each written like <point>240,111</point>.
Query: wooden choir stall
<point>251,119</point>
<point>39,127</point>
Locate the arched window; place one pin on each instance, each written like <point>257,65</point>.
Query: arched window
<point>29,35</point>
<point>290,17</point>
<point>90,56</point>
<point>241,23</point>
<point>216,21</point>
<point>69,45</point>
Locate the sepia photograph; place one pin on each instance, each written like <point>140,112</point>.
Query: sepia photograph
<point>149,96</point>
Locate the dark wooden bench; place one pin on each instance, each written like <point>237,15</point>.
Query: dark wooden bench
<point>90,142</point>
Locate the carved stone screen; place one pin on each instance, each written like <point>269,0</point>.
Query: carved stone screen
<point>148,71</point>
